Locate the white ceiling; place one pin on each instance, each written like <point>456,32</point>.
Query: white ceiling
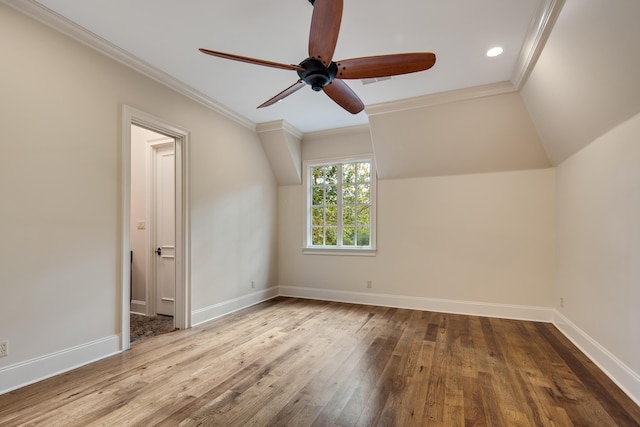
<point>166,35</point>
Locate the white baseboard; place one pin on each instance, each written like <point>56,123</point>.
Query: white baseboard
<point>138,307</point>
<point>227,307</point>
<point>505,311</point>
<point>40,368</point>
<point>621,374</point>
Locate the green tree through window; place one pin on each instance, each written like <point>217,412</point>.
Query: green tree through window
<point>341,205</point>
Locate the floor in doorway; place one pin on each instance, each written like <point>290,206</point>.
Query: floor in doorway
<point>143,327</point>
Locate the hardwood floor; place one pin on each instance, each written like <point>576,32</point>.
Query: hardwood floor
<point>293,362</point>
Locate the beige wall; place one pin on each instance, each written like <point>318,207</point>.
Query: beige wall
<point>481,238</point>
<point>599,241</point>
<point>60,112</point>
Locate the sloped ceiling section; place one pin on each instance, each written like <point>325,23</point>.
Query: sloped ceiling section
<point>587,79</point>
<point>477,130</point>
<point>283,146</point>
<point>474,135</point>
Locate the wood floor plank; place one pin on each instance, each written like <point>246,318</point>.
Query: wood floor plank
<point>493,330</point>
<point>454,399</point>
<point>401,403</point>
<point>375,376</point>
<point>413,397</point>
<point>295,362</point>
<point>518,363</point>
<point>474,412</point>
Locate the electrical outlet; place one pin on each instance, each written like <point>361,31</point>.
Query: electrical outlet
<point>253,284</point>
<point>369,284</point>
<point>561,302</point>
<point>4,348</point>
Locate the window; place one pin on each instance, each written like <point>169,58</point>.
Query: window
<point>340,214</point>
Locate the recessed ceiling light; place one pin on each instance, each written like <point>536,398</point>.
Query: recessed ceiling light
<point>494,51</point>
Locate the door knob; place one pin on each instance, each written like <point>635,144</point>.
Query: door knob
<point>158,251</point>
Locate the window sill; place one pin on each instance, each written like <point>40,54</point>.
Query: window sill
<point>339,251</point>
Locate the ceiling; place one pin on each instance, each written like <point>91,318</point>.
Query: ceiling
<point>165,35</point>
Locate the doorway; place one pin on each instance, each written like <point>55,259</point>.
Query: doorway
<point>154,262</point>
<point>152,230</point>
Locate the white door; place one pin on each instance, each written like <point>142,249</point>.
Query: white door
<point>164,197</point>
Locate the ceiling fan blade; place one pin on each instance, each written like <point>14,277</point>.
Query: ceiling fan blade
<point>288,91</point>
<point>325,26</point>
<point>251,60</point>
<point>385,65</point>
<point>344,96</point>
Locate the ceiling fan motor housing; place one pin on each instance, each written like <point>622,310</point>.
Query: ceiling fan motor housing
<point>315,74</point>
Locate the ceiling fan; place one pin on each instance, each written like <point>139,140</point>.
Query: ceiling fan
<point>321,73</point>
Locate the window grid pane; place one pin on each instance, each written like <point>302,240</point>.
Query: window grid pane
<point>317,236</point>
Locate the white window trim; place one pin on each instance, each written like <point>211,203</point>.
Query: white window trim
<point>306,232</point>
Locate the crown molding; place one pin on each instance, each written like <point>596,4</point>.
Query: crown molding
<point>537,35</point>
<point>440,98</point>
<point>279,125</point>
<point>63,25</point>
<point>321,134</point>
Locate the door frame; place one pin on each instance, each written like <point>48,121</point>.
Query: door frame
<point>182,315</point>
